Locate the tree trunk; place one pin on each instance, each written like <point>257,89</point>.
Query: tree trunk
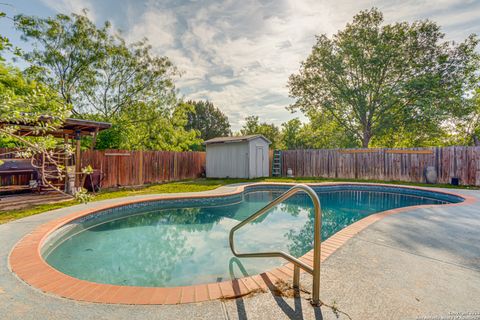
<point>476,141</point>
<point>366,138</point>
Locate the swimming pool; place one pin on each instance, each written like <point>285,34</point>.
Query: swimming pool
<point>181,242</point>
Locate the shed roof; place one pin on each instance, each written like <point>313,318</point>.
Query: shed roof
<point>236,139</point>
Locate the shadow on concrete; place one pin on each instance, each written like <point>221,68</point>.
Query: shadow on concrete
<point>242,313</point>
<point>292,313</point>
<point>449,234</point>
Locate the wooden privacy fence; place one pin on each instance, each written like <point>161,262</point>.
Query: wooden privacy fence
<point>386,164</point>
<point>130,168</point>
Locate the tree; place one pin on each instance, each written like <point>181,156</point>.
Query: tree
<point>473,119</point>
<point>134,89</point>
<point>24,101</point>
<point>268,130</point>
<point>373,78</point>
<point>209,120</point>
<point>322,132</point>
<point>4,41</point>
<point>106,79</point>
<point>64,50</point>
<point>467,123</point>
<point>145,127</point>
<point>290,134</point>
<point>126,75</point>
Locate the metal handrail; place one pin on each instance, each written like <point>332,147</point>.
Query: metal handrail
<point>315,271</point>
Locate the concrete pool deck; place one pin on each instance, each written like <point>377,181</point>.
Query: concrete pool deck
<point>422,262</point>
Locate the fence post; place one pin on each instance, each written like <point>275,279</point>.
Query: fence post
<point>140,169</point>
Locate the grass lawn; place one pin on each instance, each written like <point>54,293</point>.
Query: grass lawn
<point>183,186</point>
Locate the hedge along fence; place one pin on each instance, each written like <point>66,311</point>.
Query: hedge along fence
<point>386,164</point>
<point>130,168</point>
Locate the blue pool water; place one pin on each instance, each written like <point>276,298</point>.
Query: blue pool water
<point>185,242</point>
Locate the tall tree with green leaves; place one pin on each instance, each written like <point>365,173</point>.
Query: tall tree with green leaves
<point>268,130</point>
<point>290,136</point>
<point>25,101</point>
<point>106,79</point>
<point>144,127</point>
<point>65,47</point>
<point>373,78</point>
<point>321,132</point>
<point>473,120</point>
<point>134,90</point>
<point>4,41</point>
<point>126,75</point>
<point>209,120</point>
<point>467,122</point>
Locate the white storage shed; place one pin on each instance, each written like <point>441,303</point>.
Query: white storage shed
<point>238,157</point>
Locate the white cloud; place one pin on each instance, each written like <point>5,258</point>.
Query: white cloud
<point>75,6</point>
<point>260,60</point>
<point>157,26</point>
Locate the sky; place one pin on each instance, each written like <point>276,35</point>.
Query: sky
<point>239,53</point>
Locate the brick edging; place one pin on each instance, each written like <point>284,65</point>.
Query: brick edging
<point>27,263</point>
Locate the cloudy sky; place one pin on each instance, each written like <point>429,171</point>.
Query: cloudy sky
<point>239,54</point>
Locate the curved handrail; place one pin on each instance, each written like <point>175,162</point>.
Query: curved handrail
<point>315,271</point>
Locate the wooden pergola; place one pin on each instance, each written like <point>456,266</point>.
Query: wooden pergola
<point>72,130</point>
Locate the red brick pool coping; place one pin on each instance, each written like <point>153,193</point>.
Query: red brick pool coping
<point>27,262</point>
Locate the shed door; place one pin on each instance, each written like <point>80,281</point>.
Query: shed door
<point>259,161</point>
